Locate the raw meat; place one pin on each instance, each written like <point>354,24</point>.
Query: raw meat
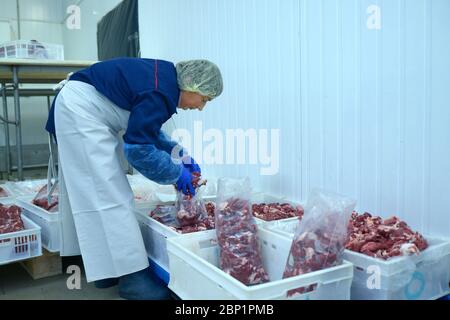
<point>237,238</point>
<point>276,211</point>
<point>41,200</point>
<point>10,220</point>
<point>383,239</point>
<point>164,215</point>
<point>3,193</point>
<point>191,209</point>
<point>320,238</point>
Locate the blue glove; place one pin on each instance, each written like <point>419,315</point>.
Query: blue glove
<point>184,183</point>
<point>190,164</point>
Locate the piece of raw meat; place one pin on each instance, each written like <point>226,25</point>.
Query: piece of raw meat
<point>276,211</point>
<point>41,201</point>
<point>238,241</point>
<point>372,236</point>
<point>10,219</point>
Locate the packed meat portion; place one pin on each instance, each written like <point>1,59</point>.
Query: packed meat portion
<point>10,220</point>
<point>191,209</point>
<point>3,193</point>
<point>41,200</point>
<point>313,250</point>
<point>320,238</point>
<point>238,241</point>
<point>374,237</point>
<point>276,211</point>
<point>164,215</point>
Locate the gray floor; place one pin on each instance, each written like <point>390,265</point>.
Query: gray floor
<point>17,284</point>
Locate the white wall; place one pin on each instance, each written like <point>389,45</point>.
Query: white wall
<point>82,44</point>
<point>363,112</point>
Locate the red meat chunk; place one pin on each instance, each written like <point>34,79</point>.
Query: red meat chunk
<point>383,239</point>
<point>10,219</point>
<point>276,211</point>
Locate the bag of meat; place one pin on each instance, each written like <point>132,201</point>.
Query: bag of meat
<point>191,210</point>
<point>41,200</point>
<point>319,240</point>
<point>237,234</point>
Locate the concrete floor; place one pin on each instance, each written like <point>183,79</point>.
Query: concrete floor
<point>17,284</point>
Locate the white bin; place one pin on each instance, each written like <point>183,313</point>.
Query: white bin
<point>155,234</point>
<point>24,49</point>
<point>421,277</point>
<point>25,188</point>
<point>21,245</point>
<point>48,221</point>
<point>194,260</point>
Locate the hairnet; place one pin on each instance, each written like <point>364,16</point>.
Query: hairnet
<point>200,76</point>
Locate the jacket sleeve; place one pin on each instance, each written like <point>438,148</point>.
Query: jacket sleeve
<point>153,163</point>
<point>143,148</point>
<point>171,147</point>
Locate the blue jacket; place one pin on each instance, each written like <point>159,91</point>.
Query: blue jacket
<point>149,90</point>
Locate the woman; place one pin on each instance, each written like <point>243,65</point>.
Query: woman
<point>96,201</point>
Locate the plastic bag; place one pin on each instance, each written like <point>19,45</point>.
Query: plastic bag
<point>41,200</point>
<point>319,240</point>
<point>237,234</point>
<point>4,193</point>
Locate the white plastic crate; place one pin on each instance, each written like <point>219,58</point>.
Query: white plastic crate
<point>21,245</point>
<point>24,49</point>
<point>421,277</point>
<point>25,188</point>
<point>194,259</point>
<point>155,234</point>
<point>48,221</point>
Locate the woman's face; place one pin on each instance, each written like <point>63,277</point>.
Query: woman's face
<point>192,101</point>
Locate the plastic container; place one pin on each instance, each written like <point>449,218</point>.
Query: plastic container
<point>194,259</point>
<point>155,234</point>
<point>21,245</point>
<point>25,188</point>
<point>24,49</point>
<point>421,277</point>
<point>48,221</point>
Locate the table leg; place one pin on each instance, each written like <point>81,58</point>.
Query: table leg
<point>18,124</point>
<point>7,140</point>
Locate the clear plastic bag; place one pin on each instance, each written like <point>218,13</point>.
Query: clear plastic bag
<point>319,240</point>
<point>237,234</point>
<point>41,199</point>
<point>191,210</point>
<point>4,193</point>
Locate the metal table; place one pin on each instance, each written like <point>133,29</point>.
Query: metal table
<point>14,72</point>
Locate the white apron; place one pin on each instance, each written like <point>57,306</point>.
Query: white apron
<point>97,207</point>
